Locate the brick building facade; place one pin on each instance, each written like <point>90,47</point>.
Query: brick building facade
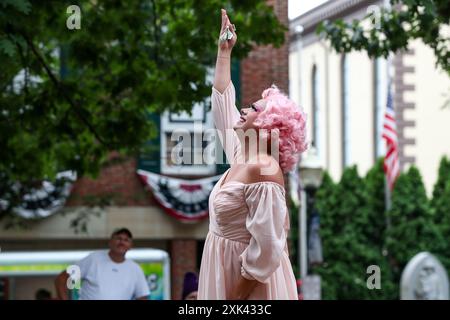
<point>266,65</point>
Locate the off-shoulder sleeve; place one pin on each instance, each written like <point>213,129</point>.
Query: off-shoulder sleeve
<point>225,115</point>
<point>266,223</point>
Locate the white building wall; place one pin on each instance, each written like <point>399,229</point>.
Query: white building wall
<point>361,110</point>
<point>335,114</point>
<point>294,76</point>
<point>360,100</point>
<point>432,130</point>
<point>314,56</point>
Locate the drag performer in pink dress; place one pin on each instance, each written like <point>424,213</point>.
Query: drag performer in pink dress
<point>245,254</point>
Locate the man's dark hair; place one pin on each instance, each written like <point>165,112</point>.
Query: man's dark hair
<point>122,231</point>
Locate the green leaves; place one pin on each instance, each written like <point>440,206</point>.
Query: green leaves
<point>7,47</point>
<point>440,210</point>
<point>22,6</point>
<point>69,97</point>
<point>357,232</point>
<point>411,227</point>
<point>394,29</point>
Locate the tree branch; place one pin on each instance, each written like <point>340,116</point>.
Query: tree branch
<point>55,81</point>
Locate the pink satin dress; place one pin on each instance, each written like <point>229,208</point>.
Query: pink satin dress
<point>248,227</point>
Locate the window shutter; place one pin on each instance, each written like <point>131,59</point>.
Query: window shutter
<point>150,157</point>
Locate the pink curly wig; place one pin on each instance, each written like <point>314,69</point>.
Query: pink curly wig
<point>288,121</point>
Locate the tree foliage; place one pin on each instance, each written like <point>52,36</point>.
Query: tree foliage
<point>358,232</point>
<point>68,97</point>
<point>411,226</point>
<point>392,29</point>
<point>440,206</point>
<point>326,203</point>
<point>351,237</point>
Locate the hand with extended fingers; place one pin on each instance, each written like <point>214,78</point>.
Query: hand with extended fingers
<point>228,35</point>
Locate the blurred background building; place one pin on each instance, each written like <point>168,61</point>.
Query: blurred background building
<point>345,96</point>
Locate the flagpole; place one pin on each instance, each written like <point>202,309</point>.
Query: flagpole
<point>387,194</point>
<point>387,190</point>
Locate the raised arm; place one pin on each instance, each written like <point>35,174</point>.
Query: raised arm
<point>222,76</point>
<point>223,108</point>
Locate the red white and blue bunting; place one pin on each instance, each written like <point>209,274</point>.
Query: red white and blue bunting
<point>186,200</point>
<point>42,201</point>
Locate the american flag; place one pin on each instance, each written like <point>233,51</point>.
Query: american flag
<point>391,160</point>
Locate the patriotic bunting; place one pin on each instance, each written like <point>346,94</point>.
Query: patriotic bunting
<point>186,200</point>
<point>44,200</point>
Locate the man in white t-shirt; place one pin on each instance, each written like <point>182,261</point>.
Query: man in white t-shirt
<point>107,275</point>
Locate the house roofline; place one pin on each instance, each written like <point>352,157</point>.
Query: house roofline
<point>330,10</point>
